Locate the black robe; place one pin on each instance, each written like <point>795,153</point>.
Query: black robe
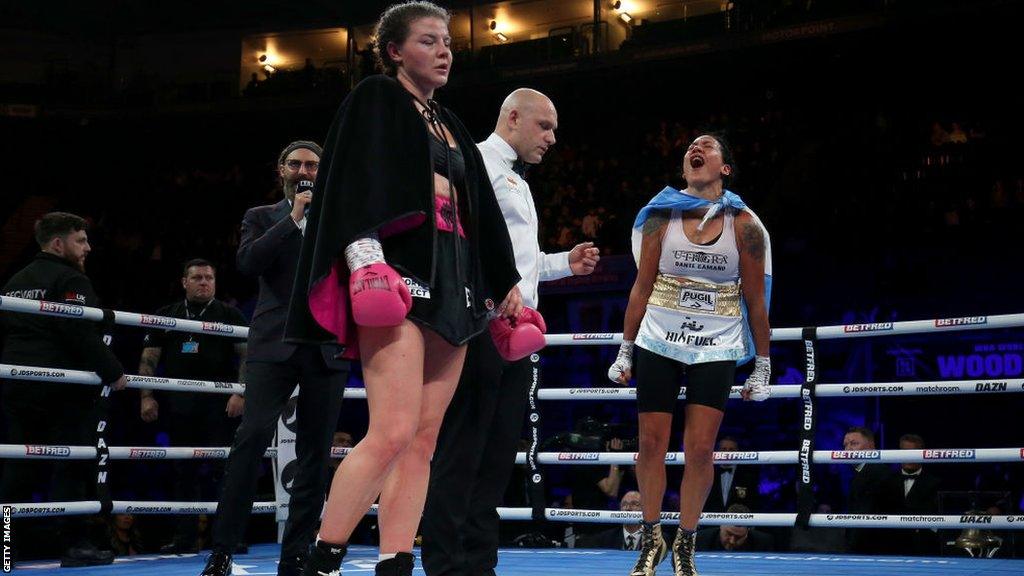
<point>376,170</point>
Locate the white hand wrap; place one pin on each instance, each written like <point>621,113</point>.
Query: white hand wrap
<point>623,362</point>
<point>363,252</point>
<point>757,382</point>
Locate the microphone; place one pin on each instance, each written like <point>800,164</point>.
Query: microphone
<point>304,186</point>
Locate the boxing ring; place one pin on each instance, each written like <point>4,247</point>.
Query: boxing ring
<point>262,559</point>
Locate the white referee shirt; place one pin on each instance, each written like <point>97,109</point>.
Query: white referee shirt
<point>520,213</point>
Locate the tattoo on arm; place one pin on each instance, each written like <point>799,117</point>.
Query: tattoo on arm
<point>147,366</point>
<point>654,222</point>
<point>149,361</point>
<point>753,241</point>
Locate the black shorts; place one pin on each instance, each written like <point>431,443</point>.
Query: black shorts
<point>658,380</point>
<point>445,306</point>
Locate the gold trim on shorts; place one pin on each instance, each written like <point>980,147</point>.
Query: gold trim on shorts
<point>694,297</point>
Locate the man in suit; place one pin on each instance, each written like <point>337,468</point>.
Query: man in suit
<point>621,537</point>
<point>269,249</point>
<point>865,491</point>
<point>733,484</point>
<point>729,538</point>
<point>912,491</point>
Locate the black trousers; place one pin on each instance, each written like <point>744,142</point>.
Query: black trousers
<point>55,415</point>
<point>201,422</point>
<point>268,386</point>
<point>473,462</point>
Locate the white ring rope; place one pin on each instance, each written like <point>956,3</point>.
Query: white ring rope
<point>43,374</point>
<point>833,332</point>
<point>930,388</point>
<point>1002,522</point>
<point>928,455</point>
<point>46,308</point>
<point>47,452</point>
<point>126,507</point>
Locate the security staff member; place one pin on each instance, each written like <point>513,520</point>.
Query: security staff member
<point>477,443</point>
<point>56,414</point>
<point>195,419</point>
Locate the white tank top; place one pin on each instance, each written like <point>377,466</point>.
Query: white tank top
<point>694,313</point>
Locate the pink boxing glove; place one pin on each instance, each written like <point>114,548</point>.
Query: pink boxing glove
<point>377,292</point>
<point>516,339</point>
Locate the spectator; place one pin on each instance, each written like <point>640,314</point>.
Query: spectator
<point>125,539</point>
<point>913,491</point>
<point>865,490</point>
<point>734,538</point>
<point>621,537</point>
<point>733,484</point>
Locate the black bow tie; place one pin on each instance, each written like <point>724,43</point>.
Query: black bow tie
<point>520,167</point>
<point>907,476</point>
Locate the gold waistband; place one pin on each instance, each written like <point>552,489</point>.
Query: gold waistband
<point>693,297</point>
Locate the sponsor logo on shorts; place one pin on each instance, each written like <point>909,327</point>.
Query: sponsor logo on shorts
<point>51,451</point>
<point>967,321</point>
<point>872,327</point>
<point>218,327</point>
<point>158,321</point>
<point>208,453</point>
<point>856,454</point>
<point>578,456</point>
<point>965,454</point>
<point>701,300</point>
<point>147,454</point>
<point>974,519</point>
<point>593,336</point>
<point>670,457</point>
<point>418,291</point>
<point>737,456</point>
<point>61,309</point>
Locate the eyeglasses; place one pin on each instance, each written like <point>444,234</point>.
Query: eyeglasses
<point>310,165</point>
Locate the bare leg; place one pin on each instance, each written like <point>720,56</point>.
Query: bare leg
<point>655,428</point>
<point>702,424</point>
<point>393,370</point>
<point>405,489</point>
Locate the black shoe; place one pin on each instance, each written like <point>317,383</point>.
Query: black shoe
<point>85,555</point>
<point>218,564</point>
<point>178,548</point>
<point>683,549</point>
<point>324,560</point>
<point>291,566</point>
<point>400,565</point>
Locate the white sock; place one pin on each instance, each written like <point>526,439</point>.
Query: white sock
<point>384,557</point>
